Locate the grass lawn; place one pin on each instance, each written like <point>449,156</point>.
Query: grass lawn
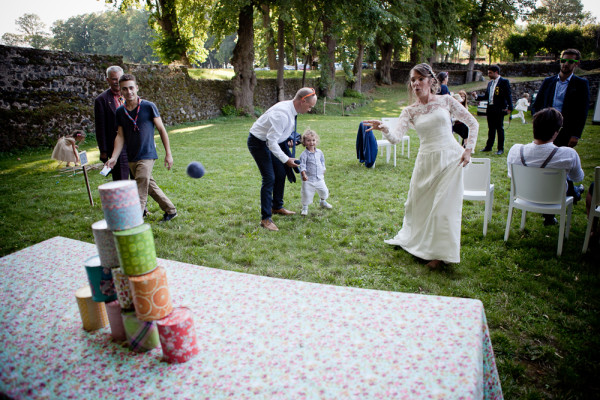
<point>543,311</point>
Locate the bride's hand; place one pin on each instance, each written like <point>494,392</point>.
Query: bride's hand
<point>465,158</point>
<point>373,124</point>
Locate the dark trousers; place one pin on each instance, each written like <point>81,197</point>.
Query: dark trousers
<point>120,171</point>
<point>495,120</point>
<point>273,176</point>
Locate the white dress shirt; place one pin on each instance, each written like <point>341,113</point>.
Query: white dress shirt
<point>535,154</point>
<point>275,126</point>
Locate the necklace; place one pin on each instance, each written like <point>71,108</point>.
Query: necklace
<point>134,121</point>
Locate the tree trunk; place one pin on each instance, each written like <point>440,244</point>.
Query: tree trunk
<point>385,66</point>
<point>415,49</point>
<point>472,55</point>
<point>167,20</point>
<point>281,51</point>
<point>328,64</point>
<point>357,70</point>
<point>242,60</point>
<point>433,57</point>
<point>266,16</point>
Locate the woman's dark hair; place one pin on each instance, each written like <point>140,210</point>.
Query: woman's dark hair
<point>441,76</point>
<point>546,123</point>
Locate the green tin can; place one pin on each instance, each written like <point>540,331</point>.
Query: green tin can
<point>136,251</point>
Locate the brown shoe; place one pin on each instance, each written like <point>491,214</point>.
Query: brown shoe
<point>283,211</point>
<point>269,225</point>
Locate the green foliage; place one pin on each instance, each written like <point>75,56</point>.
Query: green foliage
<point>354,94</point>
<point>32,32</point>
<point>563,37</point>
<point>111,32</point>
<point>230,111</point>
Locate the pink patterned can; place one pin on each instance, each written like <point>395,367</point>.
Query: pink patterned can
<point>121,205</point>
<point>177,336</point>
<point>123,289</point>
<point>117,329</point>
<point>105,243</point>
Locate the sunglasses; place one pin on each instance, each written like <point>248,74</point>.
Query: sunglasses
<point>570,61</point>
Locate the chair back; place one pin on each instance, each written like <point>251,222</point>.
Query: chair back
<point>539,185</point>
<point>477,174</point>
<point>390,122</point>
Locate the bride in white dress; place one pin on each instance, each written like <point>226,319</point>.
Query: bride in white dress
<point>433,209</point>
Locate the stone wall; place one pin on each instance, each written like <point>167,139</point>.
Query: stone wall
<point>45,94</point>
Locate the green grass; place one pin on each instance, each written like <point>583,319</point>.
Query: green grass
<point>542,310</point>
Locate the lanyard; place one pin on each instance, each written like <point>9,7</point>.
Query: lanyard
<point>135,127</point>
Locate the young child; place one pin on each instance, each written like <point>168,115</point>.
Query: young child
<point>66,148</point>
<point>312,169</point>
<point>522,105</point>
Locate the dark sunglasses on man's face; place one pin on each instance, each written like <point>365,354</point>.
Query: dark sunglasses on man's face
<point>570,61</point>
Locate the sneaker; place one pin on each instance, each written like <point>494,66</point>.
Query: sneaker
<point>168,217</point>
<point>304,211</point>
<point>325,204</point>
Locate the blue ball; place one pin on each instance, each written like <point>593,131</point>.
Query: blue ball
<point>195,170</point>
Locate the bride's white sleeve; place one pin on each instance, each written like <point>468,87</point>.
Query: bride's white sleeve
<point>459,112</point>
<point>396,134</point>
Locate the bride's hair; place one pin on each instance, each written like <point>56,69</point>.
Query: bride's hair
<point>426,71</point>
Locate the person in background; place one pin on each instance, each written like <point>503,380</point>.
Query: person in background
<point>542,153</point>
<point>499,98</point>
<point>136,121</point>
<point>570,95</point>
<point>442,77</point>
<point>66,149</point>
<point>522,106</point>
<point>266,142</point>
<point>105,107</point>
<point>458,127</point>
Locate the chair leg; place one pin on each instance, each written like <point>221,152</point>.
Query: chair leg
<point>408,146</point>
<point>523,217</point>
<point>568,226</point>
<point>588,232</point>
<point>485,216</point>
<point>402,150</point>
<point>394,155</point>
<point>561,234</point>
<point>508,221</point>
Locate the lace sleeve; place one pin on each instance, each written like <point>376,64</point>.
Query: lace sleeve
<point>460,113</point>
<point>397,132</point>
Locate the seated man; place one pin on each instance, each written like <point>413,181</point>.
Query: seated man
<point>542,153</point>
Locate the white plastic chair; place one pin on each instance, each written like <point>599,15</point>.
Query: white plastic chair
<point>594,209</point>
<point>477,186</point>
<point>540,190</point>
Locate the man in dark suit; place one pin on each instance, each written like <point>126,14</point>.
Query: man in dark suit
<point>570,95</point>
<point>499,98</point>
<point>105,107</point>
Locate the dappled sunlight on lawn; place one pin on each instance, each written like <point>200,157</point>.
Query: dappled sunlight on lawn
<point>48,164</point>
<point>189,129</point>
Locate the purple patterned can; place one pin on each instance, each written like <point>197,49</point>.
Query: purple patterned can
<point>105,243</point>
<point>117,329</point>
<point>101,281</point>
<point>121,205</point>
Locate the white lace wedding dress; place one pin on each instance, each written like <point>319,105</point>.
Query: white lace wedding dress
<point>433,209</point>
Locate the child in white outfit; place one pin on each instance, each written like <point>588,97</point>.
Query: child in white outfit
<point>312,169</point>
<point>521,106</point>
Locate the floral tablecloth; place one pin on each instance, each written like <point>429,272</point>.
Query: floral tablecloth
<point>259,337</point>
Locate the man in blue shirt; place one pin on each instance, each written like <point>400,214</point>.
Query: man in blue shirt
<point>136,121</point>
<point>570,95</point>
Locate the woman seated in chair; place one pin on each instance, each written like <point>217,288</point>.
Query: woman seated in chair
<point>542,153</point>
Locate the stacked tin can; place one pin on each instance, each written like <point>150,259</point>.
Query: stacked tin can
<point>141,286</point>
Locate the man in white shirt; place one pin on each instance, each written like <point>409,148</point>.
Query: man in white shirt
<point>542,153</point>
<point>268,137</point>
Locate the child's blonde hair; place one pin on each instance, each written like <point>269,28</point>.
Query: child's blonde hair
<point>309,132</point>
<point>526,95</point>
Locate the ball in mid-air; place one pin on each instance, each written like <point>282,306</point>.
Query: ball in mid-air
<point>195,170</point>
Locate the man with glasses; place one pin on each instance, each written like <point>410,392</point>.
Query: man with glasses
<point>267,143</point>
<point>570,95</point>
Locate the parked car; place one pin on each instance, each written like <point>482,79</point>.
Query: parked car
<point>482,108</point>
